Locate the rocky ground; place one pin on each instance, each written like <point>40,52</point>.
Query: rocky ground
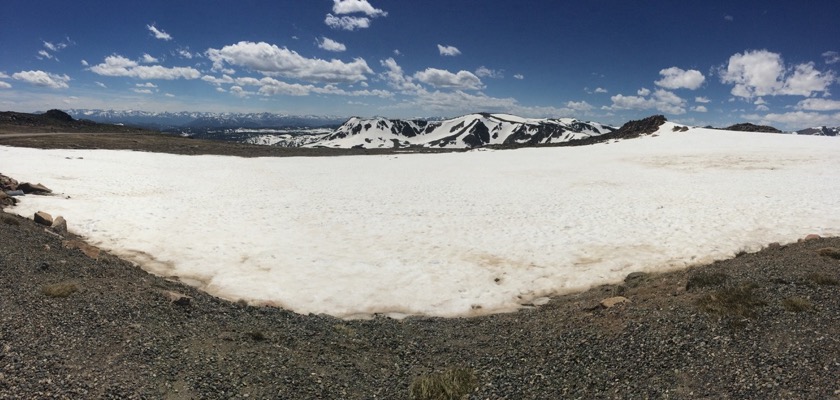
<point>80,323</point>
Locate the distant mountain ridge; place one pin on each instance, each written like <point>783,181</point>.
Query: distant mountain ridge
<point>468,131</point>
<point>190,119</point>
<point>820,131</point>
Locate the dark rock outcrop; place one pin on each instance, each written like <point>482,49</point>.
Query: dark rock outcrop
<point>748,127</point>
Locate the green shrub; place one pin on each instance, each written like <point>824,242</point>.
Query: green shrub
<point>452,384</point>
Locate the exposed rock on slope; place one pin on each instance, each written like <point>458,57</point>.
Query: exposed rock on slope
<point>748,127</point>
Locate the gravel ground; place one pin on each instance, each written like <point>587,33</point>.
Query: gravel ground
<point>762,325</point>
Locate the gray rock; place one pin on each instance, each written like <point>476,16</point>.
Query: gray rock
<point>59,224</point>
<point>613,301</point>
<point>34,188</point>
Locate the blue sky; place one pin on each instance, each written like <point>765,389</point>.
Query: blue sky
<point>697,62</point>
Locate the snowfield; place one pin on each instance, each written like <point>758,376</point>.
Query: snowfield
<point>440,234</point>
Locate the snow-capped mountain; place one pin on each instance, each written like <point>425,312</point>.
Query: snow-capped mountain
<point>468,131</point>
<point>820,131</point>
<point>169,120</point>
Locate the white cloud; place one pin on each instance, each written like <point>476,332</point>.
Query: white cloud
<point>143,91</point>
<point>357,6</point>
<point>485,72</point>
<point>643,92</point>
<point>5,85</point>
<point>818,105</point>
<point>460,102</point>
<point>701,99</point>
<point>763,73</point>
<point>3,75</point>
<point>579,106</point>
<point>44,79</point>
<point>331,45</point>
<point>85,63</point>
<point>762,107</point>
<point>445,79</point>
<point>117,65</point>
<point>831,57</point>
<point>397,79</point>
<point>226,79</point>
<point>759,101</point>
<point>270,87</point>
<point>600,90</point>
<point>728,18</point>
<point>148,59</point>
<point>100,84</point>
<point>50,46</point>
<point>519,76</point>
<point>661,100</point>
<point>185,53</point>
<point>448,50</point>
<point>796,120</point>
<point>699,109</point>
<point>270,60</point>
<point>347,23</point>
<point>43,54</point>
<point>145,85</point>
<point>397,52</point>
<point>677,78</point>
<point>159,34</point>
<point>806,80</point>
<point>169,95</point>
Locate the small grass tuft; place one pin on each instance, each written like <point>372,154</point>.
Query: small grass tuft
<point>10,221</point>
<point>63,289</point>
<point>831,252</point>
<point>706,279</point>
<point>256,336</point>
<point>797,304</point>
<point>452,384</point>
<point>739,301</point>
<point>823,279</point>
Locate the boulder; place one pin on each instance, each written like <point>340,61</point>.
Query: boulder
<point>34,188</point>
<point>59,224</point>
<point>7,183</point>
<point>43,218</point>
<point>6,200</point>
<point>811,237</point>
<point>613,301</point>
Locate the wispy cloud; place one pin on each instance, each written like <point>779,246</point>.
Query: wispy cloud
<point>117,65</point>
<point>157,33</point>
<point>485,72</point>
<point>448,50</point>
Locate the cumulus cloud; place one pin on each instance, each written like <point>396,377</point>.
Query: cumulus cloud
<point>5,85</point>
<point>600,90</point>
<point>85,63</point>
<point>643,92</point>
<point>3,75</point>
<point>396,77</point>
<point>818,105</point>
<point>157,33</point>
<point>701,99</point>
<point>699,109</point>
<point>347,23</point>
<point>762,107</point>
<point>448,50</point>
<point>44,79</point>
<point>660,100</point>
<point>831,57</point>
<point>677,78</point>
<point>519,76</point>
<point>142,91</point>
<point>145,85</point>
<point>268,86</point>
<point>225,79</point>
<point>357,6</point>
<point>763,73</point>
<point>147,59</point>
<point>331,45</point>
<point>271,60</point>
<point>444,79</point>
<point>117,65</point>
<point>485,72</point>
